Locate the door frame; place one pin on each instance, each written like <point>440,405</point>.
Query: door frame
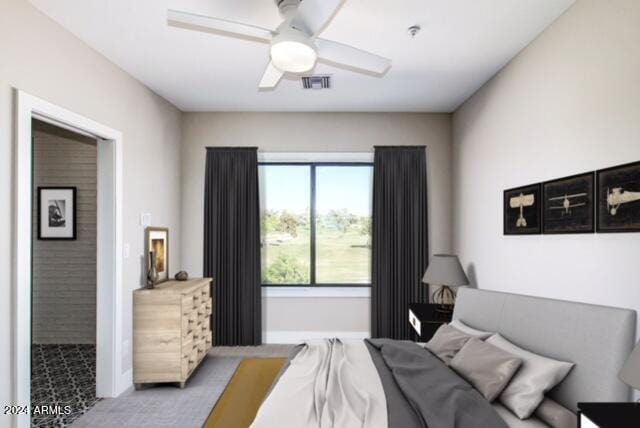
<point>110,380</point>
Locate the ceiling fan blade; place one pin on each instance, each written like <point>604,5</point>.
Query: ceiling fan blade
<point>352,57</point>
<point>191,21</point>
<point>271,77</point>
<point>313,16</point>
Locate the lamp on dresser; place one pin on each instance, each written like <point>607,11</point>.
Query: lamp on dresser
<point>446,271</point>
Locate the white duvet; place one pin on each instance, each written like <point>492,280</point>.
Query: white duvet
<point>330,383</point>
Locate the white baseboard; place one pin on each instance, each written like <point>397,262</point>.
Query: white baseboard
<point>272,337</point>
<point>125,383</point>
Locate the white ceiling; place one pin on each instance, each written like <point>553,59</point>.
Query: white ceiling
<point>462,44</point>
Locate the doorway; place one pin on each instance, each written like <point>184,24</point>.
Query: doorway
<point>64,275</point>
<point>110,378</point>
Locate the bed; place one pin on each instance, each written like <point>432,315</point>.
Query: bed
<point>398,384</point>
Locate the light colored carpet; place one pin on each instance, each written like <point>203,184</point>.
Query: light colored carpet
<point>264,351</point>
<point>167,406</point>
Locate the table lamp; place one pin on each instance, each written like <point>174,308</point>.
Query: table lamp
<point>446,271</point>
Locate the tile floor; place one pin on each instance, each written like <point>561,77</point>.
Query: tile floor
<point>62,375</point>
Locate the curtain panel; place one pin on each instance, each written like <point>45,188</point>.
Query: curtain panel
<point>232,244</point>
<point>400,238</point>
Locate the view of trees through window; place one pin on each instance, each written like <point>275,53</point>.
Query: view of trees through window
<point>333,247</point>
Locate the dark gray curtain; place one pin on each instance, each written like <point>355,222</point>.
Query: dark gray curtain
<point>232,244</point>
<point>400,245</point>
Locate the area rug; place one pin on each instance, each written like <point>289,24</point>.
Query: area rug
<point>239,403</point>
<point>165,406</point>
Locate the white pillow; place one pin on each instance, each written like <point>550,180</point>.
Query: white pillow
<point>459,325</point>
<point>536,376</point>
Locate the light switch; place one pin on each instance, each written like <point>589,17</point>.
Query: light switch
<point>145,219</point>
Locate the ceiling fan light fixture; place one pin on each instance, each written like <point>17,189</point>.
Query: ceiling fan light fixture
<point>293,56</point>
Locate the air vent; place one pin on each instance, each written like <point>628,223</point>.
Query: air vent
<point>316,82</point>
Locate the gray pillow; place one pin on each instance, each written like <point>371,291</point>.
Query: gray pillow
<point>470,330</point>
<point>513,421</point>
<point>446,342</point>
<point>537,375</point>
<point>487,368</point>
<point>555,415</point>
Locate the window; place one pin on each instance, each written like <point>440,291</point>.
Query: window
<point>316,223</point>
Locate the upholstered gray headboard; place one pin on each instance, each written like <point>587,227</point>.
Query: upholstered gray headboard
<point>598,339</point>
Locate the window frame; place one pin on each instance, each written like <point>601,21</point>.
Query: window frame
<point>312,222</point>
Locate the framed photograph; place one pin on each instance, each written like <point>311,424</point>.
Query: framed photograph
<point>522,210</point>
<point>56,213</point>
<point>619,199</point>
<point>569,204</point>
<point>157,240</point>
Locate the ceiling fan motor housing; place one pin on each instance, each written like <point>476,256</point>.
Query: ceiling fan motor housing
<point>292,50</point>
<point>287,8</point>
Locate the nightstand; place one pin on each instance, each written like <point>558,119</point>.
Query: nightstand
<point>608,415</point>
<point>425,319</point>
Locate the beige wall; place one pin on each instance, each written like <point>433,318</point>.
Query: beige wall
<point>64,272</point>
<point>40,57</point>
<point>313,132</point>
<point>569,103</point>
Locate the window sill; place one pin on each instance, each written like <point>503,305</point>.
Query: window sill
<point>316,291</point>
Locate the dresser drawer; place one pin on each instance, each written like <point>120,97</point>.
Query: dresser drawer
<point>209,339</point>
<point>205,292</point>
<point>189,362</point>
<point>202,312</point>
<point>209,307</point>
<point>187,347</point>
<point>190,301</point>
<point>202,349</point>
<point>198,333</point>
<point>206,325</point>
<point>189,322</point>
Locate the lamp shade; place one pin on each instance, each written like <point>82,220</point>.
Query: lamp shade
<point>445,269</point>
<point>630,373</point>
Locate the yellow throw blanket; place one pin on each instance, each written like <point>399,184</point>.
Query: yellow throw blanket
<point>248,387</point>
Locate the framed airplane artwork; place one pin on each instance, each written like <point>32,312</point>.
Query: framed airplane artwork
<point>522,210</point>
<point>619,199</point>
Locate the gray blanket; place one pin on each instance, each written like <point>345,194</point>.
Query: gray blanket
<point>422,391</point>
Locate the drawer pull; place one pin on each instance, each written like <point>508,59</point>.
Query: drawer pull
<point>191,362</point>
<point>195,297</point>
<point>200,314</point>
<point>192,321</point>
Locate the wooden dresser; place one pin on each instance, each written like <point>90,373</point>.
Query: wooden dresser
<point>171,330</point>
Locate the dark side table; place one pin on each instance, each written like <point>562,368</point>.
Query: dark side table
<point>609,415</point>
<point>425,319</point>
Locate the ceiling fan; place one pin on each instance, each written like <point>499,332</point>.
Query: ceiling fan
<point>295,46</point>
